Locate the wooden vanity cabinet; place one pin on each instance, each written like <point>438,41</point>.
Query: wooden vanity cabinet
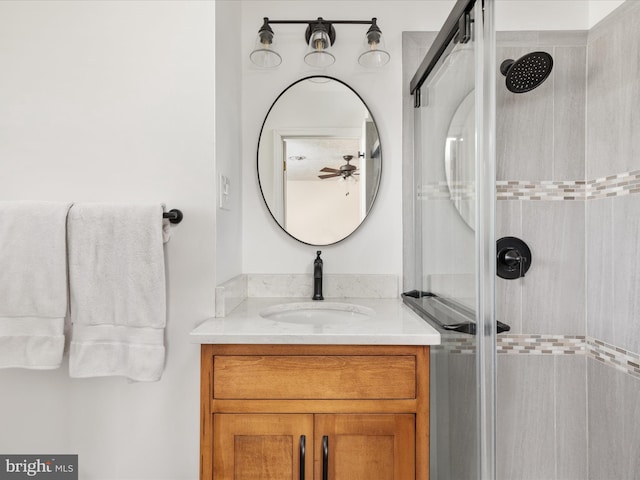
<point>262,446</point>
<point>273,412</point>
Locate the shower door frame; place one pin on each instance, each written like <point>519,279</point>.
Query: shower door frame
<point>485,210</point>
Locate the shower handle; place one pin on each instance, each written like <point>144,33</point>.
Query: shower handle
<point>513,258</point>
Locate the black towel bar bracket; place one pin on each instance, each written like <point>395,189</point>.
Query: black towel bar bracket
<point>174,215</point>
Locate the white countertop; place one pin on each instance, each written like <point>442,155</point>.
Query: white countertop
<point>393,323</point>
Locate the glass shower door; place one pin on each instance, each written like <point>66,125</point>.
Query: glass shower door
<point>455,245</point>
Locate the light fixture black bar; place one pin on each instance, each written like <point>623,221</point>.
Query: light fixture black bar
<point>349,22</point>
<point>444,37</point>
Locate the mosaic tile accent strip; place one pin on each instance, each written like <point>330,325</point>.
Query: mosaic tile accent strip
<point>526,344</point>
<point>619,358</point>
<point>460,344</point>
<point>542,344</point>
<point>613,356</point>
<point>614,185</point>
<point>434,191</point>
<point>625,183</point>
<point>544,190</point>
<point>437,190</point>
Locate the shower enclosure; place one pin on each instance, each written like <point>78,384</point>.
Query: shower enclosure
<point>454,172</point>
<point>528,133</point>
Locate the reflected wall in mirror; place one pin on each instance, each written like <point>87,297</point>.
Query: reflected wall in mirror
<point>319,160</point>
<point>460,159</point>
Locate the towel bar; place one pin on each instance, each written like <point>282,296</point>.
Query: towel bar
<point>174,215</point>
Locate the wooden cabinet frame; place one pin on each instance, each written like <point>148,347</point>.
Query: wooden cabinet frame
<point>413,401</point>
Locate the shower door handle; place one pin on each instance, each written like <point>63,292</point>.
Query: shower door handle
<point>470,327</point>
<point>445,314</point>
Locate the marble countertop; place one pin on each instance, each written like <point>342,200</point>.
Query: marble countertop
<point>389,322</point>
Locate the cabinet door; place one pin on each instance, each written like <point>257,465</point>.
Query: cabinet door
<point>365,447</point>
<point>262,447</point>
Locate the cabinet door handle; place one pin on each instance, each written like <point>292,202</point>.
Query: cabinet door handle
<point>325,457</point>
<point>303,441</point>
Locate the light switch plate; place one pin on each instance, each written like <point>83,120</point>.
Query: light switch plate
<point>224,189</point>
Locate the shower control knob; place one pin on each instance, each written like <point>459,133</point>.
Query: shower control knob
<point>514,261</point>
<point>513,258</point>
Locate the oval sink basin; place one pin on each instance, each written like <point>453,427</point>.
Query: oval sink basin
<point>321,313</point>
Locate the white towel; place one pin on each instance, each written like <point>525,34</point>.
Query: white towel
<point>33,284</point>
<point>117,291</point>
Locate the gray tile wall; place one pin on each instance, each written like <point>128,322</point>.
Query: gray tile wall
<point>613,146</point>
<point>540,134</point>
<point>541,427</point>
<point>613,93</point>
<point>570,415</point>
<point>455,450</point>
<point>626,274</point>
<point>613,272</point>
<point>553,290</point>
<point>525,434</point>
<point>613,230</point>
<point>540,137</point>
<point>569,112</point>
<point>614,423</point>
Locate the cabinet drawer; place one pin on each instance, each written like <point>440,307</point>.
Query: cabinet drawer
<point>314,377</point>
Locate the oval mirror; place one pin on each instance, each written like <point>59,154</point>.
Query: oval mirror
<point>319,160</point>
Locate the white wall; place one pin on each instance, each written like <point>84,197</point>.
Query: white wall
<point>337,213</point>
<point>376,247</point>
<point>228,59</point>
<point>598,9</point>
<point>113,101</point>
<point>542,14</point>
<point>552,14</point>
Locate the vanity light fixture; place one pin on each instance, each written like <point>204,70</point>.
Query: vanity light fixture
<point>374,53</point>
<point>320,36</point>
<point>264,54</point>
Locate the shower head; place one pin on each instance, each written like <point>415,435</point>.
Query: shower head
<point>528,72</point>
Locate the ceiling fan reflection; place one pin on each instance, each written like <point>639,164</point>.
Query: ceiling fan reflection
<point>345,171</point>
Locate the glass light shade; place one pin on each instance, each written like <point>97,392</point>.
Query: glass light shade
<point>374,53</point>
<point>318,54</point>
<point>349,179</point>
<point>263,54</point>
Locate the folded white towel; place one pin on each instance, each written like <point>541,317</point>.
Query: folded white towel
<point>117,291</point>
<point>33,284</point>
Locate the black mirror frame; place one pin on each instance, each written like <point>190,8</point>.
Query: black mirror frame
<point>375,195</point>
